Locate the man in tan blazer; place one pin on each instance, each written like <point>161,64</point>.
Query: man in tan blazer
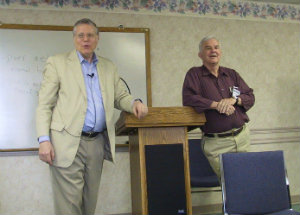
<point>74,120</point>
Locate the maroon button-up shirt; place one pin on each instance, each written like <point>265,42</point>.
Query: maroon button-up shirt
<point>201,88</point>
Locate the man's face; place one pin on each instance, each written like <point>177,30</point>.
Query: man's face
<point>211,52</point>
<point>86,40</point>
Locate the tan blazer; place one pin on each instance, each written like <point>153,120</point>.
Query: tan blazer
<point>62,103</point>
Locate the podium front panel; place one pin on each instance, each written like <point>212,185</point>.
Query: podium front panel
<point>155,140</point>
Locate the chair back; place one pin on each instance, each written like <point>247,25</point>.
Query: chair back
<point>254,182</point>
<point>201,172</point>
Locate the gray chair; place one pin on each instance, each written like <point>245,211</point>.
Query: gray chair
<point>255,183</point>
<point>201,172</point>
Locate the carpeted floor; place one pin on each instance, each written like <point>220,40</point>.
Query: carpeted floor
<point>296,207</point>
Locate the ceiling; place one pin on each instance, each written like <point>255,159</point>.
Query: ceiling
<point>296,2</point>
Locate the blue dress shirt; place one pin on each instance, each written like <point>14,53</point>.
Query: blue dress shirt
<point>95,114</point>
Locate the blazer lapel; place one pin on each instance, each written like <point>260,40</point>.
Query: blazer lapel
<point>75,67</point>
<point>101,76</point>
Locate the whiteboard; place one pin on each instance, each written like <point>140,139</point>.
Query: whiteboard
<point>23,54</point>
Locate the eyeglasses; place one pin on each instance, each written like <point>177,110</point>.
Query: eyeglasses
<point>89,36</point>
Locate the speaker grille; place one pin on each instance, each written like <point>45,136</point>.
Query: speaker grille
<point>165,179</point>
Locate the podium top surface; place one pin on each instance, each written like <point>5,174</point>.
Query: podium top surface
<point>160,117</point>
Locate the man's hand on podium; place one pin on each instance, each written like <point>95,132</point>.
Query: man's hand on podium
<point>139,109</point>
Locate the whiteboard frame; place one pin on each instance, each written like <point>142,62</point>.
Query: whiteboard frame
<point>120,29</point>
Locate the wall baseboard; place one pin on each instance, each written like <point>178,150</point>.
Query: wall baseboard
<point>207,209</point>
<point>295,199</point>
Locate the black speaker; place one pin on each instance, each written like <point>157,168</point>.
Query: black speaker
<point>165,179</point>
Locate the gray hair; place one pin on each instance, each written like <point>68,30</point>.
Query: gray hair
<point>85,21</point>
<point>206,39</point>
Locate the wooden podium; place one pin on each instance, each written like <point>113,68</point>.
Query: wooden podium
<point>162,125</point>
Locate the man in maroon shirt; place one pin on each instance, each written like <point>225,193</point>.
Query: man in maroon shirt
<point>224,97</point>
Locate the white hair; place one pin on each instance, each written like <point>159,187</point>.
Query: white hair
<point>206,39</point>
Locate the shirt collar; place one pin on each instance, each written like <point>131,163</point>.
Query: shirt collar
<point>206,72</point>
<point>82,60</point>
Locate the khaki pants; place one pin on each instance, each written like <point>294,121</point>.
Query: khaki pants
<point>75,188</point>
<point>214,146</point>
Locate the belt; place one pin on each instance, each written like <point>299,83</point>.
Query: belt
<point>233,133</point>
<point>90,134</point>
